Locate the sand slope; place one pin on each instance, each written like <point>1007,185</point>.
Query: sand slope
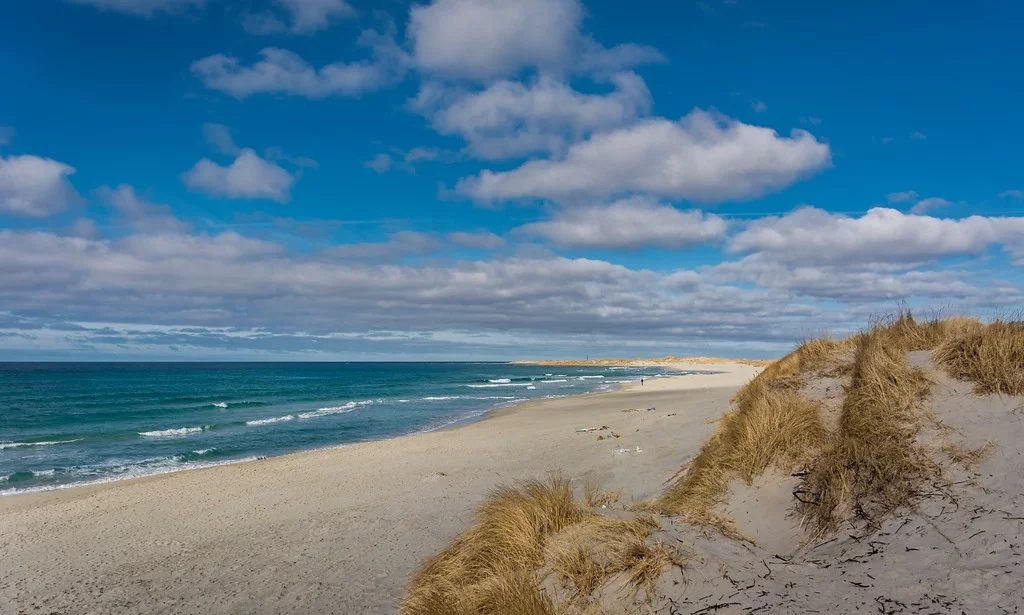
<point>335,531</point>
<point>959,550</point>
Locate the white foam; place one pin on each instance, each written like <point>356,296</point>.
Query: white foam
<point>203,451</point>
<point>6,445</point>
<point>498,384</point>
<point>147,467</point>
<point>220,404</point>
<point>49,472</point>
<point>276,419</point>
<point>171,433</point>
<point>501,380</point>
<point>589,377</point>
<point>349,407</point>
<point>531,387</point>
<point>553,381</point>
<point>442,398</point>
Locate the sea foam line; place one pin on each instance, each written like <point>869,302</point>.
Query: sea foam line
<point>6,445</point>
<point>276,419</point>
<point>170,433</point>
<point>349,407</point>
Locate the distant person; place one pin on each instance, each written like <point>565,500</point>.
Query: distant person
<point>641,382</point>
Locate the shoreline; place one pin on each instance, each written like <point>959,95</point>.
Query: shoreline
<point>336,529</point>
<point>456,424</point>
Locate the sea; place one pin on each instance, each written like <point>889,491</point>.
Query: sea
<point>67,424</point>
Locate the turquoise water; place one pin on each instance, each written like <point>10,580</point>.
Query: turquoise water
<point>72,423</point>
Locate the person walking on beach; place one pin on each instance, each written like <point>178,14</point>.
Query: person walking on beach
<point>641,382</point>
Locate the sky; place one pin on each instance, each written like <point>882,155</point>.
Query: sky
<point>500,179</point>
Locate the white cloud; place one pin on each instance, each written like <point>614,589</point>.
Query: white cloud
<point>485,39</point>
<point>595,58</point>
<point>930,204</point>
<point>142,8</point>
<point>284,72</point>
<point>248,177</point>
<point>305,16</point>
<point>35,187</point>
<point>629,224</point>
<point>1012,194</point>
<point>483,240</point>
<point>380,163</point>
<point>139,213</point>
<point>402,243</point>
<point>882,235</point>
<point>704,157</point>
<point>510,118</point>
<point>219,137</point>
<point>902,197</point>
<point>846,282</point>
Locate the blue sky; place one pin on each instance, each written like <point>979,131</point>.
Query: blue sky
<point>474,179</point>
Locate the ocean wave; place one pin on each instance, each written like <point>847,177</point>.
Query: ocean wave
<point>170,433</point>
<point>349,407</point>
<point>220,404</point>
<point>50,472</point>
<point>6,445</point>
<point>498,384</point>
<point>531,388</point>
<point>500,380</point>
<point>106,473</point>
<point>442,398</point>
<point>276,419</point>
<point>552,381</point>
<point>589,377</point>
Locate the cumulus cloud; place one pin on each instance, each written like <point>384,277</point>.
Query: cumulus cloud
<point>380,163</point>
<point>139,213</point>
<point>142,8</point>
<point>704,157</point>
<point>485,39</point>
<point>219,137</point>
<point>285,72</point>
<point>483,240</point>
<point>248,177</point>
<point>882,235</point>
<point>304,17</point>
<point>629,224</point>
<point>930,204</point>
<point>902,197</point>
<point>510,118</point>
<point>489,39</point>
<point>35,187</point>
<point>397,245</point>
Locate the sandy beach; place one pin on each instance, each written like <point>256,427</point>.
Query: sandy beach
<point>338,530</point>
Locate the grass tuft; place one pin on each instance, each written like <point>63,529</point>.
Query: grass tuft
<point>521,534</point>
<point>490,568</point>
<point>991,356</point>
<point>772,424</point>
<point>873,464</point>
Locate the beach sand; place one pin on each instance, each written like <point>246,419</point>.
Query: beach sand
<point>338,530</point>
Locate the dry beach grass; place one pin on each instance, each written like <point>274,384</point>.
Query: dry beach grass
<point>864,466</point>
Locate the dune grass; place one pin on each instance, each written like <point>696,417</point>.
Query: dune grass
<point>991,356</point>
<point>771,424</point>
<point>521,534</point>
<point>873,464</point>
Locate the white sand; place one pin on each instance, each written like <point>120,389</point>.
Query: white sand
<point>332,531</point>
